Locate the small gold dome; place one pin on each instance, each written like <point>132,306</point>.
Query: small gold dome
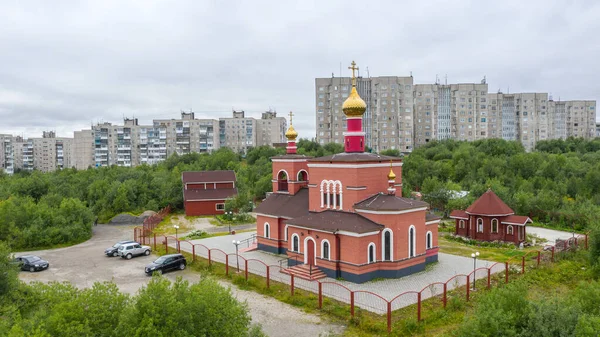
<point>291,134</point>
<point>391,175</point>
<point>354,106</point>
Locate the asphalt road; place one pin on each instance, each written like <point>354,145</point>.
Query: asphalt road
<point>85,263</point>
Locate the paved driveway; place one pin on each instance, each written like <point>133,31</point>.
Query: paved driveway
<point>549,234</point>
<point>84,264</point>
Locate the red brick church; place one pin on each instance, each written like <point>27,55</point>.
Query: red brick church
<point>490,219</point>
<point>343,215</point>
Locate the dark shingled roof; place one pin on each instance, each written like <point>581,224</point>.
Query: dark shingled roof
<point>489,204</point>
<point>431,217</point>
<point>356,157</point>
<point>207,176</point>
<point>285,205</point>
<point>516,219</point>
<point>291,156</point>
<point>458,214</point>
<point>330,221</point>
<point>386,202</point>
<point>193,194</point>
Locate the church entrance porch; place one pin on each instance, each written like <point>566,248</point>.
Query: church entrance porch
<point>305,271</point>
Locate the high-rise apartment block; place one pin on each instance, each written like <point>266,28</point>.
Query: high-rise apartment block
<point>132,144</point>
<point>7,159</point>
<point>401,115</point>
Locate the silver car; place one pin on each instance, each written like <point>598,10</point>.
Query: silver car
<point>129,250</point>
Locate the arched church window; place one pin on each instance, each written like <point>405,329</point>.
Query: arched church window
<point>371,252</point>
<point>387,245</point>
<point>295,243</point>
<point>480,225</point>
<point>411,241</point>
<point>461,224</point>
<point>509,230</point>
<point>325,250</point>
<point>494,225</point>
<point>282,181</point>
<point>267,230</point>
<point>302,176</point>
<point>429,240</point>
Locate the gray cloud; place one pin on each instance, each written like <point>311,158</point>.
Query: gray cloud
<point>67,64</point>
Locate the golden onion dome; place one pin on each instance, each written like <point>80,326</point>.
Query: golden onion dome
<point>391,175</point>
<point>291,133</point>
<point>354,106</point>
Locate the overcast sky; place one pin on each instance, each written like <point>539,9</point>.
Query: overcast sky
<point>67,64</point>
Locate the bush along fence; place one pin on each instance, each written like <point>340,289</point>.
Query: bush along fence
<point>461,284</point>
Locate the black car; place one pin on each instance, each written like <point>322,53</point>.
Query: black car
<point>112,251</point>
<point>31,263</point>
<point>166,263</point>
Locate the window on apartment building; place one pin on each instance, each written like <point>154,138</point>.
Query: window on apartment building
<point>321,88</point>
<point>483,120</point>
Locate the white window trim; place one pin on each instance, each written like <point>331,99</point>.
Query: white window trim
<point>298,175</point>
<point>477,228</point>
<point>372,244</point>
<point>383,244</point>
<point>414,246</point>
<point>461,224</point>
<point>306,249</point>
<point>285,232</point>
<point>292,243</point>
<point>267,230</point>
<point>217,206</point>
<point>329,248</point>
<point>427,240</point>
<point>492,225</point>
<point>328,188</point>
<point>512,230</point>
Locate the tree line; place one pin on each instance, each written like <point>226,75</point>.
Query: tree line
<point>44,209</point>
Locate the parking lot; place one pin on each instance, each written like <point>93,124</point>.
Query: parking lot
<point>85,263</point>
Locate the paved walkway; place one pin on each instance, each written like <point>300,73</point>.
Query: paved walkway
<point>549,234</point>
<point>447,267</point>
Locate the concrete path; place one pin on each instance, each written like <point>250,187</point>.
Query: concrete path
<point>549,234</point>
<point>447,267</point>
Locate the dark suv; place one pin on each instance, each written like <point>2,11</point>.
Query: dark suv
<point>166,263</point>
<point>113,251</point>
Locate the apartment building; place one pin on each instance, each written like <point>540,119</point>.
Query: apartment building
<point>187,135</point>
<point>240,132</point>
<point>83,149</point>
<point>401,115</point>
<point>598,130</point>
<point>51,153</point>
<point>7,159</point>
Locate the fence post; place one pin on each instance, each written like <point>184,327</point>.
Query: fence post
<point>389,316</point>
<point>209,257</point>
<point>575,242</point>
<point>468,287</point>
<point>246,269</point>
<point>445,298</point>
<point>489,278</point>
<point>193,252</point>
<point>586,241</point>
<point>268,278</point>
<point>418,307</point>
<point>352,304</point>
<point>539,257</point>
<point>292,284</point>
<point>226,262</point>
<point>523,264</point>
<point>506,271</point>
<point>154,241</point>
<point>320,295</point>
<point>166,245</point>
<point>178,246</point>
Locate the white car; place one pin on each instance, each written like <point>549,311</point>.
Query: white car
<point>129,250</point>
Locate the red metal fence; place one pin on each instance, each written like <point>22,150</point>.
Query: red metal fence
<point>461,284</point>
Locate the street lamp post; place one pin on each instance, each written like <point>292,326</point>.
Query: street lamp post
<point>474,256</point>
<point>176,228</point>
<point>230,213</point>
<point>237,243</point>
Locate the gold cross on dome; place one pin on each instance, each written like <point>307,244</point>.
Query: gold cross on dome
<point>291,115</point>
<point>353,67</point>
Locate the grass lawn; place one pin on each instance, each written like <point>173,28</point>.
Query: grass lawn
<point>486,253</point>
<point>165,227</point>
